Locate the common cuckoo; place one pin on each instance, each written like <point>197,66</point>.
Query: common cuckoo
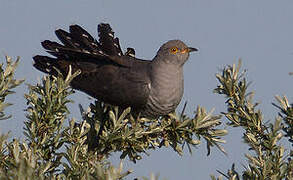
<point>150,87</point>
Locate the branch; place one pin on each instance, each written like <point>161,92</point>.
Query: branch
<point>132,135</point>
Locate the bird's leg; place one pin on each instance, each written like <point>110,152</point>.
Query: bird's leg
<point>102,126</point>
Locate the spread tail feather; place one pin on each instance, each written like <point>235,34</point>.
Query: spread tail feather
<point>79,49</point>
<point>46,64</point>
<point>110,45</point>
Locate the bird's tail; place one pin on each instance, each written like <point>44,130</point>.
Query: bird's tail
<point>77,46</point>
<point>46,64</point>
<point>109,43</point>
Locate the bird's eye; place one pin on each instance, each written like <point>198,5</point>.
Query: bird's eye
<point>174,50</point>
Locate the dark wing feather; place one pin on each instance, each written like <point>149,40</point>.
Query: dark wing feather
<point>116,85</point>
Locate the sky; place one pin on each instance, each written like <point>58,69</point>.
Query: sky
<point>258,32</point>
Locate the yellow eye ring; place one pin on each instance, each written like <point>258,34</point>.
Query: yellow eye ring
<point>174,50</point>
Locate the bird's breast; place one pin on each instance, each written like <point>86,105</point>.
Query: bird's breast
<point>166,90</point>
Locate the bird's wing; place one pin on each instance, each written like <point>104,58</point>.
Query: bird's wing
<point>115,85</point>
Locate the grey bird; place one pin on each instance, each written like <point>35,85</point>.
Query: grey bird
<point>150,87</point>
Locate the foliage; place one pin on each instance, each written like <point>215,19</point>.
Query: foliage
<point>80,149</point>
<point>268,160</point>
<point>134,135</point>
<point>7,83</point>
<point>52,150</point>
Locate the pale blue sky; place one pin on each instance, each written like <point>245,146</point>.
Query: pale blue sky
<point>259,32</point>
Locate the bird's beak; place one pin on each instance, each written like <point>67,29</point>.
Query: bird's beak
<point>188,50</point>
<point>191,49</point>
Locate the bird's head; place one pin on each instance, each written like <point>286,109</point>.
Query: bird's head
<point>175,52</point>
